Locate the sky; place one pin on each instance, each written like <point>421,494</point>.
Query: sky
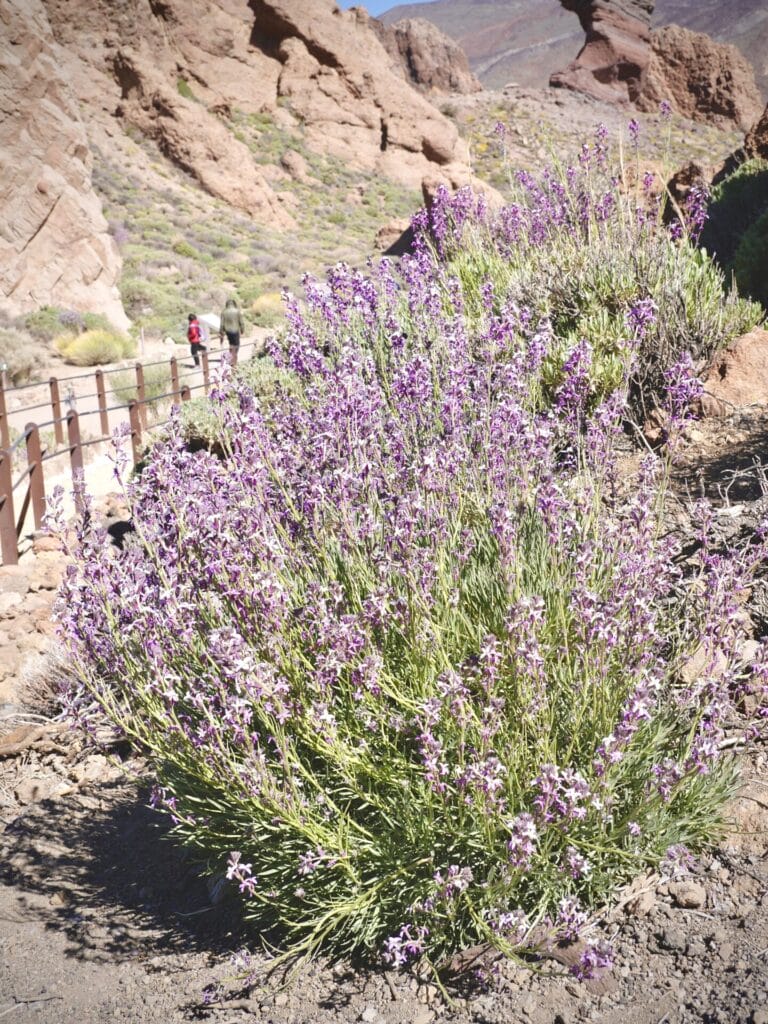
<point>372,6</point>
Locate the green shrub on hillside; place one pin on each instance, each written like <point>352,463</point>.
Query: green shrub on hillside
<point>750,264</point>
<point>20,356</point>
<point>94,348</point>
<point>736,203</point>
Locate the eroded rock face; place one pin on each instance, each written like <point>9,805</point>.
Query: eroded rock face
<point>195,139</point>
<point>613,62</point>
<point>429,59</point>
<point>54,245</point>
<point>338,78</point>
<point>702,80</point>
<point>738,376</point>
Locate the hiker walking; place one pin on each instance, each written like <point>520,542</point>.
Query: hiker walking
<point>195,338</point>
<point>232,326</point>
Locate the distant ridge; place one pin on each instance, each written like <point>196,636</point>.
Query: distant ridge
<point>526,40</point>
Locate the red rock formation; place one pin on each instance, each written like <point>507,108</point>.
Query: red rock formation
<point>703,80</point>
<point>54,245</point>
<point>613,62</point>
<point>738,377</point>
<point>429,59</point>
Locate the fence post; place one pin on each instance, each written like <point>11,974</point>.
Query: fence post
<point>75,449</point>
<point>5,434</point>
<point>174,376</point>
<point>58,426</point>
<point>35,469</point>
<point>102,397</point>
<point>186,394</point>
<point>8,544</point>
<point>135,420</point>
<point>206,374</point>
<point>141,395</point>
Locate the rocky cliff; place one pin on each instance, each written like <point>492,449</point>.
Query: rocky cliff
<point>613,63</point>
<point>54,245</point>
<point>428,57</point>
<point>702,79</point>
<point>337,77</point>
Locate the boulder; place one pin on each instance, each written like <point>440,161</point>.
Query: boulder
<point>738,376</point>
<point>195,139</point>
<point>426,56</point>
<point>613,63</point>
<point>54,244</point>
<point>703,80</point>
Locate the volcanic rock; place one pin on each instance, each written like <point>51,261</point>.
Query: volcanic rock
<point>428,58</point>
<point>195,139</point>
<point>738,377</point>
<point>337,77</point>
<point>54,245</point>
<point>613,62</point>
<point>701,79</point>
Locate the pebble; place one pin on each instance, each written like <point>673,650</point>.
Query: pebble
<point>687,894</point>
<point>760,1015</point>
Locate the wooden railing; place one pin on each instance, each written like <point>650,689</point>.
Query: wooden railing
<point>26,488</point>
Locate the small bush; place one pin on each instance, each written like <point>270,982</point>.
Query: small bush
<point>184,89</point>
<point>267,309</point>
<point>184,248</point>
<point>45,323</point>
<point>22,356</point>
<point>750,264</point>
<point>94,348</point>
<point>157,383</point>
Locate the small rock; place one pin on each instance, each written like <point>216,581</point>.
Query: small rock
<point>673,939</point>
<point>687,894</point>
<point>45,543</point>
<point>281,999</point>
<point>726,951</point>
<point>10,601</point>
<point>641,905</point>
<point>423,1016</point>
<point>760,1015</point>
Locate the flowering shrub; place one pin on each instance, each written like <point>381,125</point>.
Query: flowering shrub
<point>585,246</point>
<point>406,660</point>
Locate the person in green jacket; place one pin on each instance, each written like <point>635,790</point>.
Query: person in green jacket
<point>231,325</point>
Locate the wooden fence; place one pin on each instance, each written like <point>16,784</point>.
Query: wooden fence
<point>23,491</point>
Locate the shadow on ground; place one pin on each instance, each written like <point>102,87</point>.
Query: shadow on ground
<point>102,869</point>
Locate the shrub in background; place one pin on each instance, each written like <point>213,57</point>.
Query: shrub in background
<point>22,356</point>
<point>267,309</point>
<point>157,384</point>
<point>94,348</point>
<point>406,660</point>
<point>750,263</point>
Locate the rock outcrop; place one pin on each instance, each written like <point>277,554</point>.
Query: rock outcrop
<point>54,245</point>
<point>613,63</point>
<point>194,139</point>
<point>428,57</point>
<point>738,377</point>
<point>701,79</point>
<point>337,77</point>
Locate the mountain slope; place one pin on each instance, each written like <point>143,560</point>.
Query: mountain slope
<point>526,40</point>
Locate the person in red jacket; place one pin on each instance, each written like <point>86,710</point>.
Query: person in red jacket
<point>195,338</point>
